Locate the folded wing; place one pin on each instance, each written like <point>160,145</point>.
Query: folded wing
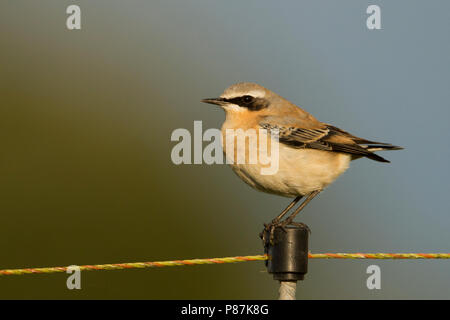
<point>328,138</point>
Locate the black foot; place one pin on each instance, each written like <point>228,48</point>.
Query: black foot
<point>289,221</point>
<point>269,228</point>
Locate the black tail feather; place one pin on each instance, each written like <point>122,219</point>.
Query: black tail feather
<point>384,146</point>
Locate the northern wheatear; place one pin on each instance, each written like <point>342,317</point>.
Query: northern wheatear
<point>312,154</point>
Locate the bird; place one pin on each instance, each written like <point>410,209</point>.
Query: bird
<point>311,154</point>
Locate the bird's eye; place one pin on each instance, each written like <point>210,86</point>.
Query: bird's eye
<point>247,99</point>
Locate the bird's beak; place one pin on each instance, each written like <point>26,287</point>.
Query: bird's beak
<point>216,101</point>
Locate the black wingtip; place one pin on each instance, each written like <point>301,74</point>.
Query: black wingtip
<point>376,157</point>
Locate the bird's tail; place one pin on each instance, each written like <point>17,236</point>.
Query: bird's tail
<point>376,146</point>
<point>382,147</point>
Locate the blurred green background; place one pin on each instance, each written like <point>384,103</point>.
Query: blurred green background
<point>85,124</point>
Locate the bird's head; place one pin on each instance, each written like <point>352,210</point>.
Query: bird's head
<point>247,97</point>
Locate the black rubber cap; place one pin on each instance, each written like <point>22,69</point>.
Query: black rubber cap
<point>288,254</point>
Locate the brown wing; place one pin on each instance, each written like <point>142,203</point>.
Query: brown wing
<point>328,138</point>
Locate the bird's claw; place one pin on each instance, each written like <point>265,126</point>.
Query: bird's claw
<point>269,229</point>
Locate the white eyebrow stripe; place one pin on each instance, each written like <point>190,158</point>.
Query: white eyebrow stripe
<point>253,93</point>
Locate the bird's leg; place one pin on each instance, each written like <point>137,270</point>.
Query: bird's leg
<point>300,208</point>
<point>276,221</point>
<point>289,207</point>
<point>289,220</point>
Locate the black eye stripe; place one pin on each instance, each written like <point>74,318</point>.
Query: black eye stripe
<point>241,101</point>
<point>249,102</point>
